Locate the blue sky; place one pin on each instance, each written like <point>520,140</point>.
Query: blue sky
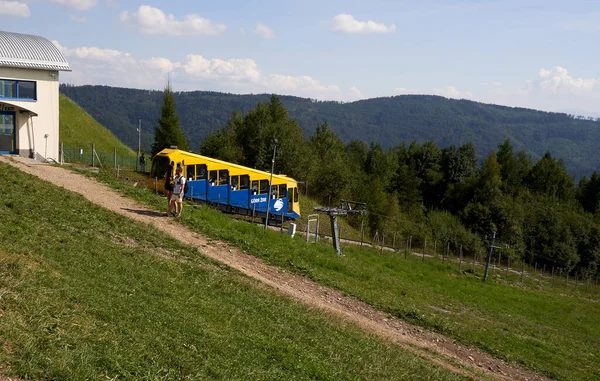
<point>536,54</point>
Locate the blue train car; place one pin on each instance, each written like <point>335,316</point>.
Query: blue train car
<point>230,187</point>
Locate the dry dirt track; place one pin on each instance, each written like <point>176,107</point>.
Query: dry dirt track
<point>439,349</point>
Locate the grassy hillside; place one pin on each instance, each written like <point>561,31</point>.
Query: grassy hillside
<point>89,294</point>
<point>79,130</point>
<point>552,330</point>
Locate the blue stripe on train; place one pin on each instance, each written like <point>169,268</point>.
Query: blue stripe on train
<point>222,194</point>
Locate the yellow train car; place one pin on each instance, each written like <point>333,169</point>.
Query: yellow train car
<point>230,187</point>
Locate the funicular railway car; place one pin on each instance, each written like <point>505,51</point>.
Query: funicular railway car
<point>230,187</point>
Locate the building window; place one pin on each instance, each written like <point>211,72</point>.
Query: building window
<point>18,89</point>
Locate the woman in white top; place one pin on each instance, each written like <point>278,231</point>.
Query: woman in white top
<point>178,190</point>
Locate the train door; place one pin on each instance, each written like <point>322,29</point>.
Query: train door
<point>279,205</point>
<point>240,198</point>
<point>259,195</point>
<point>233,187</point>
<point>290,200</point>
<point>218,186</point>
<point>196,177</point>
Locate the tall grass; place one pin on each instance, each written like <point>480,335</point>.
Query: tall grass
<point>89,294</point>
<point>558,335</point>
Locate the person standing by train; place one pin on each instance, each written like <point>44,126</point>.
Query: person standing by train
<point>169,185</point>
<point>178,190</point>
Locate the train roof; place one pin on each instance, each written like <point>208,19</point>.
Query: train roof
<point>169,151</point>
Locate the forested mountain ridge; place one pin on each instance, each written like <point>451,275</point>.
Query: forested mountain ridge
<point>387,121</point>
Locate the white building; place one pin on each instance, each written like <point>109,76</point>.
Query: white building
<point>29,67</point>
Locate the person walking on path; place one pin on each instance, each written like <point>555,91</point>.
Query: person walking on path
<point>178,190</point>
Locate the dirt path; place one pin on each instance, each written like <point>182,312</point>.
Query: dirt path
<point>439,349</point>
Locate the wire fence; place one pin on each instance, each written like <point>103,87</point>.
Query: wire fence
<point>89,155</point>
<point>502,267</point>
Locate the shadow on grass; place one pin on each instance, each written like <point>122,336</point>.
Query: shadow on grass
<point>145,212</point>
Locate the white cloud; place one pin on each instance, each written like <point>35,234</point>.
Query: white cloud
<point>234,69</point>
<point>14,8</point>
<point>96,54</point>
<point>557,81</point>
<point>76,4</point>
<point>264,31</point>
<point>92,65</point>
<point>79,19</point>
<point>355,93</point>
<point>161,64</point>
<point>452,92</point>
<point>551,89</point>
<point>152,20</point>
<point>348,24</point>
<point>298,85</point>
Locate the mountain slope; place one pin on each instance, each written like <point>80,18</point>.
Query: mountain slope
<point>388,121</point>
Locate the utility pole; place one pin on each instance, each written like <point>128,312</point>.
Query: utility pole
<point>139,130</point>
<point>489,258</point>
<point>271,182</point>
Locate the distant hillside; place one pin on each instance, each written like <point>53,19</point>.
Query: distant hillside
<point>388,121</point>
<point>79,130</point>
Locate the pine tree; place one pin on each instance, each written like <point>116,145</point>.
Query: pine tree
<point>168,133</point>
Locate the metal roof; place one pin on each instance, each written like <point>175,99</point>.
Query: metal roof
<point>30,52</point>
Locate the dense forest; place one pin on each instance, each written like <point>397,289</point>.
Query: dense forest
<point>418,189</point>
<point>387,121</point>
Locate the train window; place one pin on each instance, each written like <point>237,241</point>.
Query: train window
<point>201,172</point>
<point>190,172</point>
<point>159,167</point>
<point>244,182</point>
<point>255,187</point>
<point>282,190</point>
<point>223,177</point>
<point>212,175</point>
<point>233,180</point>
<point>273,191</point>
<point>264,187</point>
<point>295,194</point>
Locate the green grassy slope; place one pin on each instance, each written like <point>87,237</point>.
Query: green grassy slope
<point>79,130</point>
<point>552,330</point>
<point>89,294</point>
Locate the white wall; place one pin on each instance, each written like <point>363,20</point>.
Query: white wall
<point>31,131</point>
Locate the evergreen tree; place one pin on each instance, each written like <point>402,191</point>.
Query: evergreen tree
<point>588,193</point>
<point>168,133</point>
<point>549,176</point>
<point>331,175</point>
